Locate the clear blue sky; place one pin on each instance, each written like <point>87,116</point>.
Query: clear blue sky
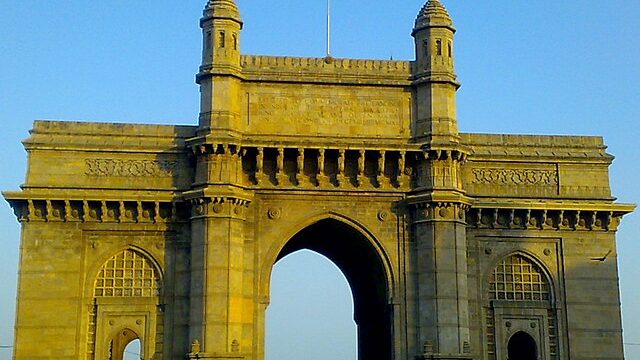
<point>554,67</point>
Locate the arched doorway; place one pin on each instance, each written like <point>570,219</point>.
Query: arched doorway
<point>522,347</point>
<point>363,267</point>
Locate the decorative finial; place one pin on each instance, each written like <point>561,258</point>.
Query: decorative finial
<point>433,14</point>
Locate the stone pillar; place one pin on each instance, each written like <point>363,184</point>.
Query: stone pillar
<point>217,266</point>
<point>441,275</point>
<point>440,257</point>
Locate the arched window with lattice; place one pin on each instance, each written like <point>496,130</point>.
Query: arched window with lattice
<point>520,294</point>
<point>517,278</point>
<point>127,274</point>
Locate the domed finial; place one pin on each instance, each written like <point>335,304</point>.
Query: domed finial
<point>433,14</point>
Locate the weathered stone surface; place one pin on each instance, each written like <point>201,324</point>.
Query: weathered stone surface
<point>454,244</point>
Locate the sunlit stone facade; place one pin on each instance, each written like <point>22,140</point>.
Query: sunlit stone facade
<point>456,245</point>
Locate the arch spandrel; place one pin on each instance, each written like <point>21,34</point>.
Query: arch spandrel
<point>278,240</point>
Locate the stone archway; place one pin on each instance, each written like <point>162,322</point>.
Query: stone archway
<point>364,269</point>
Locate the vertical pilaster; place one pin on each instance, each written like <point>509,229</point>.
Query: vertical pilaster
<point>441,276</point>
<point>217,266</point>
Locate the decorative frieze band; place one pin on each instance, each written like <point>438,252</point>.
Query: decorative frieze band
<point>131,168</point>
<point>495,218</point>
<point>99,211</point>
<point>490,176</point>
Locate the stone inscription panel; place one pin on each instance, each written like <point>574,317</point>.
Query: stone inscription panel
<point>496,176</point>
<point>130,168</point>
<point>330,111</point>
<point>79,169</point>
<point>511,179</point>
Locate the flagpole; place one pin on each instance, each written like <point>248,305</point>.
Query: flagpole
<point>328,28</point>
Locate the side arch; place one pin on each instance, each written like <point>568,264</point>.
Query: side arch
<point>125,290</point>
<point>520,297</point>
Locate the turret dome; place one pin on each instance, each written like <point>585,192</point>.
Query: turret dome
<point>433,14</point>
<point>225,9</point>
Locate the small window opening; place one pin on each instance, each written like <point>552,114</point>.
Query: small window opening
<point>221,39</point>
<point>449,49</point>
<point>208,41</point>
<point>425,47</point>
<point>439,47</point>
<point>235,42</point>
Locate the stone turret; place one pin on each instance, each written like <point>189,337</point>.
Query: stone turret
<point>221,25</point>
<point>438,200</point>
<point>434,77</point>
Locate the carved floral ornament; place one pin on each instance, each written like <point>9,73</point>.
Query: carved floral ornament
<point>274,213</point>
<point>122,211</point>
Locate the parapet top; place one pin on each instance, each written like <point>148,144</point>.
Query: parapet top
<point>433,14</point>
<point>221,9</point>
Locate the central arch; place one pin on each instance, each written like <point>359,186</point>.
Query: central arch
<point>363,265</point>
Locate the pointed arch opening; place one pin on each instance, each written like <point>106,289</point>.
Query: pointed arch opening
<point>311,310</point>
<point>364,268</point>
<point>522,346</point>
<point>133,350</point>
<point>122,345</point>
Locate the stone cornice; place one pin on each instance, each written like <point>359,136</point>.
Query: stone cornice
<point>548,215</point>
<point>100,137</point>
<point>538,148</point>
<point>97,211</point>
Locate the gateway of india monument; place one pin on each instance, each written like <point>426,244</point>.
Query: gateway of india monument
<point>455,245</point>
